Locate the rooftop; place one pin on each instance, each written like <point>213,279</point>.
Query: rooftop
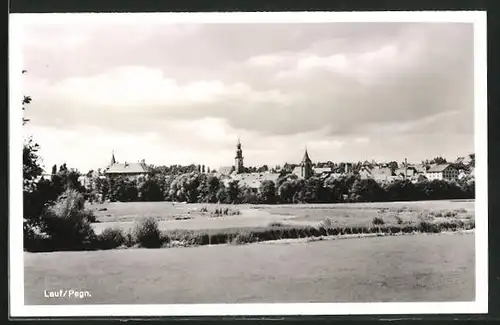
<point>127,168</point>
<point>438,168</point>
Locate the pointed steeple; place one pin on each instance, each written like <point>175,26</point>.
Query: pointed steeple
<point>306,169</point>
<point>306,156</point>
<point>113,160</point>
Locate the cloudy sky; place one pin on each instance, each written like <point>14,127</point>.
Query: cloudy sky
<point>184,93</point>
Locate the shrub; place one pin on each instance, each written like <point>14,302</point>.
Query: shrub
<point>225,212</point>
<point>399,220</point>
<point>426,216</point>
<point>450,214</point>
<point>67,223</point>
<point>204,209</point>
<point>429,227</point>
<point>326,223</point>
<point>243,238</point>
<point>129,239</point>
<point>147,233</point>
<point>275,224</point>
<point>111,238</point>
<point>378,221</point>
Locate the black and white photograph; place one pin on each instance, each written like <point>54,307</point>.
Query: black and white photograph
<point>248,164</point>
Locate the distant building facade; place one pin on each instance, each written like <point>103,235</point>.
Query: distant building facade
<point>442,172</point>
<point>379,174</point>
<point>127,169</point>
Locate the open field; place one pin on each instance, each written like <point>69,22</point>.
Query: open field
<point>437,267</point>
<point>190,216</point>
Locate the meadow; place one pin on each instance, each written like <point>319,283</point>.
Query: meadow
<point>417,268</point>
<point>181,216</point>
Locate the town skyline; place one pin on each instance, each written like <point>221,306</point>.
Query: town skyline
<point>175,94</point>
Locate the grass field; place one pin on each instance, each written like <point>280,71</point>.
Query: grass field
<point>437,267</point>
<point>190,216</point>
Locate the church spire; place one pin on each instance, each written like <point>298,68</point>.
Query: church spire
<point>306,168</point>
<point>113,160</point>
<point>306,156</point>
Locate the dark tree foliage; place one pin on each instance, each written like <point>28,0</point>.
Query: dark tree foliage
<point>267,192</point>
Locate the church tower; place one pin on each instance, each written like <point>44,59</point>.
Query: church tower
<point>113,160</point>
<point>238,160</point>
<point>306,169</point>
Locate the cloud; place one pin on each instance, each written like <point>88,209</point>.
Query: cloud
<point>334,87</point>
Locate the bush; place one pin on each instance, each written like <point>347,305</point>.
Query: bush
<point>243,238</point>
<point>219,212</point>
<point>450,214</point>
<point>67,223</point>
<point>147,233</point>
<point>129,239</point>
<point>326,223</point>
<point>399,220</point>
<point>378,221</point>
<point>275,224</point>
<point>429,227</point>
<point>111,238</point>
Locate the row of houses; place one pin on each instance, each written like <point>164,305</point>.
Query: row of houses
<point>416,173</point>
<point>306,169</point>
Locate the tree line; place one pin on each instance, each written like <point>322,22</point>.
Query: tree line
<point>195,187</point>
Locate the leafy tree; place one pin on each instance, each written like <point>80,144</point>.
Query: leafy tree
<point>267,192</point>
<point>401,190</point>
<point>122,189</point>
<point>336,188</point>
<point>31,164</point>
<point>248,195</point>
<point>68,223</point>
<point>286,191</point>
<point>223,195</point>
<point>472,157</point>
<point>438,160</point>
<point>233,191</point>
<point>366,190</point>
<point>152,189</point>
<point>263,169</point>
<point>393,165</point>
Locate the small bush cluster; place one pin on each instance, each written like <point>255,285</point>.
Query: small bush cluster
<point>378,221</point>
<point>225,212</point>
<point>111,238</point>
<point>326,223</point>
<point>275,224</point>
<point>450,214</point>
<point>244,237</point>
<point>148,234</point>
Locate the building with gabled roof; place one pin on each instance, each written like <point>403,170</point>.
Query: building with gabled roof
<point>379,174</point>
<point>442,172</point>
<point>129,169</point>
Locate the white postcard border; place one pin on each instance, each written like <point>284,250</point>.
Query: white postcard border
<point>16,265</point>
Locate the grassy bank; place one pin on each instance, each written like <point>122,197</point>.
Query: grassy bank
<point>147,234</point>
